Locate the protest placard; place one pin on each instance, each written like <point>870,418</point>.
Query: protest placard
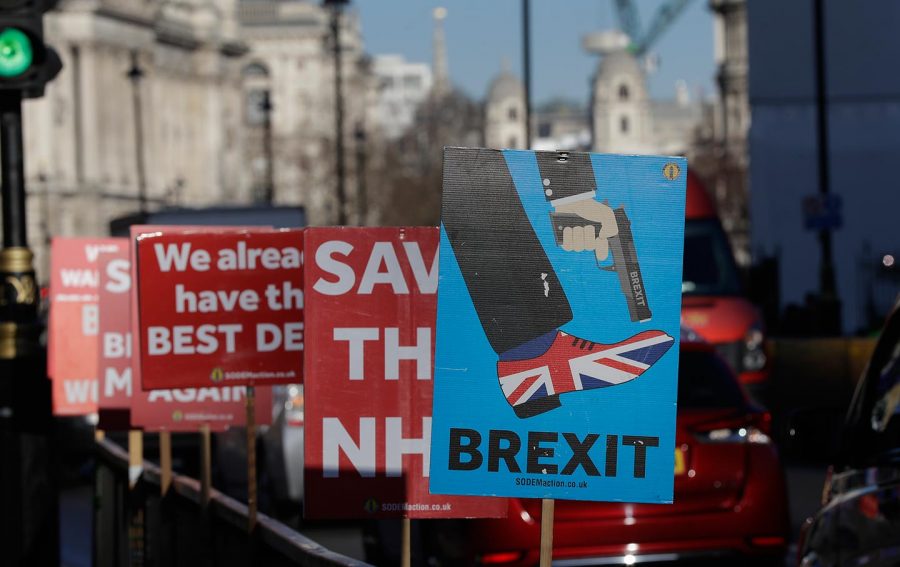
<point>114,329</point>
<point>73,324</point>
<point>368,378</point>
<point>175,410</point>
<point>558,325</point>
<point>220,309</point>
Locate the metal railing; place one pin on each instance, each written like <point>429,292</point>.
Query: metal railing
<point>139,526</point>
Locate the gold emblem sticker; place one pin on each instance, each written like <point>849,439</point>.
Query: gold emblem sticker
<point>216,375</point>
<point>177,415</point>
<point>671,171</point>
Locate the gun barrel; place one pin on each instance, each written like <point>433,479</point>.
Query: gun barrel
<point>628,269</point>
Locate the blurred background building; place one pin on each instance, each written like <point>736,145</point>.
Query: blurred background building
<point>290,60</point>
<point>190,104</point>
<point>146,112</point>
<point>860,97</point>
<point>402,87</point>
<point>232,102</point>
<point>504,112</point>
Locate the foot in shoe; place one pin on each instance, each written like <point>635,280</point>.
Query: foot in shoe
<point>533,385</point>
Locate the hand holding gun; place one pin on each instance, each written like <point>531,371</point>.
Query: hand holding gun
<point>590,225</point>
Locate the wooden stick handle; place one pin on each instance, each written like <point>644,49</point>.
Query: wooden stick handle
<point>251,459</point>
<point>165,461</point>
<point>406,544</point>
<point>205,463</point>
<point>546,532</point>
<point>135,456</point>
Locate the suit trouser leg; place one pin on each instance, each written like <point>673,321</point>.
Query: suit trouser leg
<point>510,279</point>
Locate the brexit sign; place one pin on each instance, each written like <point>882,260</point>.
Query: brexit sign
<point>368,378</point>
<point>558,325</point>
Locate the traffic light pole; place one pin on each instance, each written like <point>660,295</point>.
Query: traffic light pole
<point>21,388</point>
<point>18,301</point>
<point>29,525</point>
<point>14,239</point>
<point>13,171</point>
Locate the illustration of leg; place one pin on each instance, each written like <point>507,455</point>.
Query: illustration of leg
<point>512,283</point>
<point>566,363</point>
<point>513,286</point>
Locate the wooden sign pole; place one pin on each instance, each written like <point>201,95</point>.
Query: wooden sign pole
<point>165,461</point>
<point>546,532</point>
<point>406,544</point>
<point>251,459</point>
<point>205,463</point>
<point>135,456</point>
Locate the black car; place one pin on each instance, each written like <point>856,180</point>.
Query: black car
<point>859,522</point>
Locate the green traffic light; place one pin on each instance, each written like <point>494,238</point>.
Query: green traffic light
<point>16,53</point>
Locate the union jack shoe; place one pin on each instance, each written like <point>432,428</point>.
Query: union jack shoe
<point>532,386</point>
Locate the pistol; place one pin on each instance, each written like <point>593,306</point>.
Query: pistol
<point>625,259</point>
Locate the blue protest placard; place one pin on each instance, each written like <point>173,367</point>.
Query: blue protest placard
<point>558,325</point>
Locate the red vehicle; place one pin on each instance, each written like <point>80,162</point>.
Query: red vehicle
<point>713,301</point>
<point>730,496</point>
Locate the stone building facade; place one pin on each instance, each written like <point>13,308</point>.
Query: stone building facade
<point>185,126</point>
<point>729,180</point>
<point>625,119</point>
<point>98,134</point>
<point>291,57</point>
<point>504,113</point>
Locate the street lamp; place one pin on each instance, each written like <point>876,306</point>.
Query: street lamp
<point>135,74</point>
<point>336,7</point>
<point>361,199</point>
<point>265,106</point>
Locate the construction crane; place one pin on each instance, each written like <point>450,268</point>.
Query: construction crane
<point>630,23</point>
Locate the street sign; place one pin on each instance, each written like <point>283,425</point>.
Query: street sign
<point>558,325</point>
<point>368,378</point>
<point>822,211</point>
<point>72,337</point>
<point>220,309</point>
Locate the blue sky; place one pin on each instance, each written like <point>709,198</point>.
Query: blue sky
<point>481,33</point>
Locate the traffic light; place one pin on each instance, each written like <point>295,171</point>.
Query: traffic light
<point>26,62</point>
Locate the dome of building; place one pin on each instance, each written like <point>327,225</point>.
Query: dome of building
<point>618,63</point>
<point>506,85</point>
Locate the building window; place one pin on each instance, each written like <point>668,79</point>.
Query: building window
<point>255,113</point>
<point>412,81</point>
<point>256,88</point>
<point>256,70</point>
<point>623,124</point>
<point>623,92</point>
<point>513,113</point>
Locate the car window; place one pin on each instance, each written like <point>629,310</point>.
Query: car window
<point>709,267</point>
<point>704,381</point>
<point>872,432</point>
<point>887,393</point>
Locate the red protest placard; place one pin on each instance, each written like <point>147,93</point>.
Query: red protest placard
<point>72,337</point>
<point>187,409</point>
<point>370,326</point>
<point>114,327</point>
<point>220,308</point>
